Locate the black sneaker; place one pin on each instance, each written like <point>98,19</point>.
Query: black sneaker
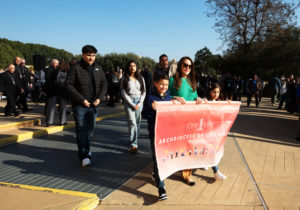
<point>16,114</point>
<point>162,194</point>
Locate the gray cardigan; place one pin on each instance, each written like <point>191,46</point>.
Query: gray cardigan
<point>134,91</point>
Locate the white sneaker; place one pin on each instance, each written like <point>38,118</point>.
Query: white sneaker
<point>85,162</point>
<point>205,168</point>
<point>219,176</point>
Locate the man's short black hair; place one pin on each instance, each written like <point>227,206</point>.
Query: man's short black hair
<point>159,76</point>
<point>89,49</point>
<point>163,55</point>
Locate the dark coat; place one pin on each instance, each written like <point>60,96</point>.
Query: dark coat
<point>50,88</point>
<point>7,86</point>
<point>48,71</point>
<point>22,76</point>
<point>86,82</point>
<point>150,114</point>
<point>252,89</point>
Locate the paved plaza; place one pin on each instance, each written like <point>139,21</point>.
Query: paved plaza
<point>261,162</point>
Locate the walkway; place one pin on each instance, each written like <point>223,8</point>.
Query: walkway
<point>261,161</point>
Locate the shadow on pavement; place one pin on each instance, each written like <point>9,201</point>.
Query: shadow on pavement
<point>51,161</point>
<point>257,125</point>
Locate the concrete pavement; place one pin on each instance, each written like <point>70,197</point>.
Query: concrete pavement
<point>261,161</point>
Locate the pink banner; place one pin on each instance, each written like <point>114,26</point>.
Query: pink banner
<point>191,135</point>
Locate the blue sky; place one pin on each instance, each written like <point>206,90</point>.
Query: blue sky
<point>147,28</point>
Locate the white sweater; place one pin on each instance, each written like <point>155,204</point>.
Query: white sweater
<point>134,92</point>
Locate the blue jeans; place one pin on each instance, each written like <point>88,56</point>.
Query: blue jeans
<point>134,118</point>
<point>85,120</point>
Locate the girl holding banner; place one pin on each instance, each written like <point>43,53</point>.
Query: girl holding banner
<point>133,92</point>
<point>183,87</point>
<point>213,95</point>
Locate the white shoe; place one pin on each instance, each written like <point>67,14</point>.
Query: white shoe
<point>85,162</point>
<point>205,168</point>
<point>219,176</point>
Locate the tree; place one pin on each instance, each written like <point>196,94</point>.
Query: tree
<point>206,62</point>
<point>243,22</point>
<point>114,60</point>
<point>7,55</point>
<point>278,54</point>
<point>26,51</point>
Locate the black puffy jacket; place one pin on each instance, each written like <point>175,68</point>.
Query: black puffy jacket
<point>84,85</point>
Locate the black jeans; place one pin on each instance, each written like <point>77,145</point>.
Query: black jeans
<point>22,100</point>
<point>159,183</point>
<point>256,95</point>
<point>11,104</point>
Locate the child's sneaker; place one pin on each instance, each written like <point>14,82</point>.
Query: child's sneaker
<point>134,150</point>
<point>219,176</point>
<point>162,194</point>
<point>85,162</point>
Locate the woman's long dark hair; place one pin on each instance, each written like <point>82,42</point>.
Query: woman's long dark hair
<point>136,75</point>
<point>191,78</point>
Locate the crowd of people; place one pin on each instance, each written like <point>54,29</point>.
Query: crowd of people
<point>85,84</point>
<point>15,84</point>
<point>39,86</point>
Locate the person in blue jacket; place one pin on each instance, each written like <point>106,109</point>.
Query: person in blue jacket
<point>159,93</point>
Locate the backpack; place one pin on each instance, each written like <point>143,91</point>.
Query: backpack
<point>61,78</point>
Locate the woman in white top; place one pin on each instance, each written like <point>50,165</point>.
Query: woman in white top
<point>133,92</point>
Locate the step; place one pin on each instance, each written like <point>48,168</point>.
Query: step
<point>16,125</point>
<point>20,134</point>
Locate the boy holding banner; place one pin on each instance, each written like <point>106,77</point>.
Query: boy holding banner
<point>161,83</point>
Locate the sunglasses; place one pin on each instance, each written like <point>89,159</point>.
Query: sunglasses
<point>187,65</point>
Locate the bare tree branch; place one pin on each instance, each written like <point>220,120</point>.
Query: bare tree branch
<point>242,22</point>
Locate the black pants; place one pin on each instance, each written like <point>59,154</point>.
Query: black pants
<point>256,95</point>
<point>11,104</point>
<point>22,101</point>
<point>158,181</point>
<point>113,95</point>
<point>228,94</point>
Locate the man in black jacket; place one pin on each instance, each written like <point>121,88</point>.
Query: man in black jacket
<point>162,66</point>
<point>86,85</point>
<point>23,78</point>
<point>53,66</point>
<point>9,86</point>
